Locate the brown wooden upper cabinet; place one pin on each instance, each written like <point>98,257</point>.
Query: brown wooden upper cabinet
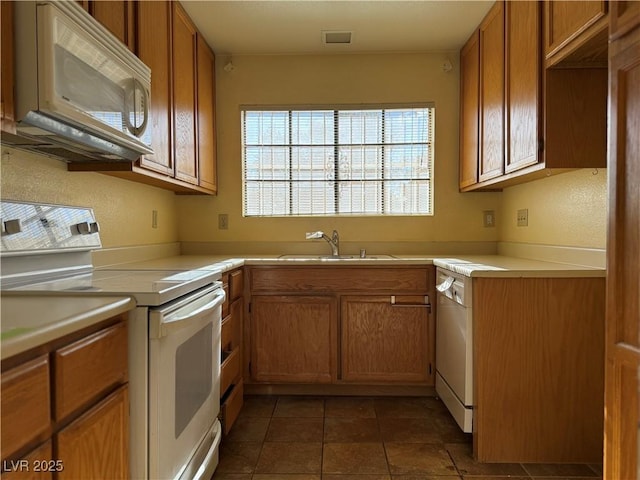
<point>469,110</point>
<point>492,94</point>
<point>184,96</point>
<point>206,116</point>
<point>523,81</point>
<point>181,127</point>
<point>625,16</point>
<point>117,16</point>
<point>575,32</point>
<point>553,120</point>
<point>154,49</point>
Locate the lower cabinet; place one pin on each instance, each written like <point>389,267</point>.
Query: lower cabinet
<point>30,468</point>
<point>538,355</point>
<point>385,339</point>
<point>294,339</point>
<point>65,407</point>
<point>231,353</point>
<point>341,325</point>
<point>96,445</point>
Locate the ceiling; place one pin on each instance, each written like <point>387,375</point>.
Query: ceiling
<point>243,27</point>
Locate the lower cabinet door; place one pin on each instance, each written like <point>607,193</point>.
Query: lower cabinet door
<point>96,445</point>
<point>385,340</point>
<point>293,339</point>
<point>39,464</point>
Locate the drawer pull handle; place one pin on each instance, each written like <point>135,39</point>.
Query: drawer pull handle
<point>426,303</point>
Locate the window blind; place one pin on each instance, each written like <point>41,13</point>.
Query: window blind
<point>348,161</point>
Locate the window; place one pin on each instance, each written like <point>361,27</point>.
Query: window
<point>365,161</point>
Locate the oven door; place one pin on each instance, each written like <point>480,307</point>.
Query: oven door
<point>184,386</point>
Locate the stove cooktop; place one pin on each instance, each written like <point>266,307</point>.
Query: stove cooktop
<point>150,288</point>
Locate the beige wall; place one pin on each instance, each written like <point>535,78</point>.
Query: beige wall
<point>338,79</point>
<point>567,210</point>
<point>123,208</point>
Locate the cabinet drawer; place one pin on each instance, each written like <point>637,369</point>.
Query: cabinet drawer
<point>33,459</point>
<point>227,295</point>
<point>330,279</point>
<point>230,369</point>
<point>232,327</point>
<point>236,284</point>
<point>231,406</point>
<point>25,404</point>
<point>96,445</point>
<point>89,367</point>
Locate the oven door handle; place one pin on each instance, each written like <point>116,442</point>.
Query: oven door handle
<point>171,323</point>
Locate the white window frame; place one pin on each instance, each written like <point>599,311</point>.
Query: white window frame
<point>421,203</point>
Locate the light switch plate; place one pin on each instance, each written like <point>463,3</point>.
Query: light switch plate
<point>523,217</point>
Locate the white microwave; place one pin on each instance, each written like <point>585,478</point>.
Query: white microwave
<point>80,95</point>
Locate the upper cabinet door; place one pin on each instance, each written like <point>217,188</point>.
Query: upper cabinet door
<point>184,96</point>
<point>206,116</point>
<point>154,49</point>
<point>469,108</point>
<point>118,17</point>
<point>492,94</point>
<point>572,25</point>
<point>625,15</point>
<point>523,84</point>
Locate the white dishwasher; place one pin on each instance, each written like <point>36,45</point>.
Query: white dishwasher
<point>454,361</point>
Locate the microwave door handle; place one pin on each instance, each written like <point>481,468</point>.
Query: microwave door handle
<point>137,131</point>
<point>145,101</point>
<point>166,326</point>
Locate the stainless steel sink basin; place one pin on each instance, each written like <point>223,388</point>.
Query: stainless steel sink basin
<point>335,258</point>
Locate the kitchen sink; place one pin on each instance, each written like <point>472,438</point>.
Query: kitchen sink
<point>335,258</point>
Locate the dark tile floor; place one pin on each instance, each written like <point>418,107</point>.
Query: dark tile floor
<point>362,438</point>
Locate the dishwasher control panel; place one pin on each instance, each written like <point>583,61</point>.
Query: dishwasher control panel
<point>454,286</point>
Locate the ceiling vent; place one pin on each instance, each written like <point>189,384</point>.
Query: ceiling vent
<point>336,38</point>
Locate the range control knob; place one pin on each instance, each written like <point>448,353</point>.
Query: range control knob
<point>83,228</point>
<point>94,227</point>
<point>12,226</point>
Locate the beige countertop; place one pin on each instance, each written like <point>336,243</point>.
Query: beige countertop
<point>28,321</point>
<point>513,267</point>
<point>472,266</point>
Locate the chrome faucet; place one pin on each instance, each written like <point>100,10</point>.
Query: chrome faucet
<point>334,240</point>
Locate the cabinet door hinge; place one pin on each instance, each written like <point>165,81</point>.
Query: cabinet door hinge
<point>430,371</point>
<point>250,371</point>
<point>249,307</point>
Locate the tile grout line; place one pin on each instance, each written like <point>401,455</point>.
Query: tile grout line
<point>384,445</point>
<point>324,423</point>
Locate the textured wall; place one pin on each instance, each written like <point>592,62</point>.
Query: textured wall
<point>123,208</point>
<point>568,209</point>
<point>338,79</point>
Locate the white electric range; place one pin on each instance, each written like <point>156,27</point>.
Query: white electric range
<point>174,332</point>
